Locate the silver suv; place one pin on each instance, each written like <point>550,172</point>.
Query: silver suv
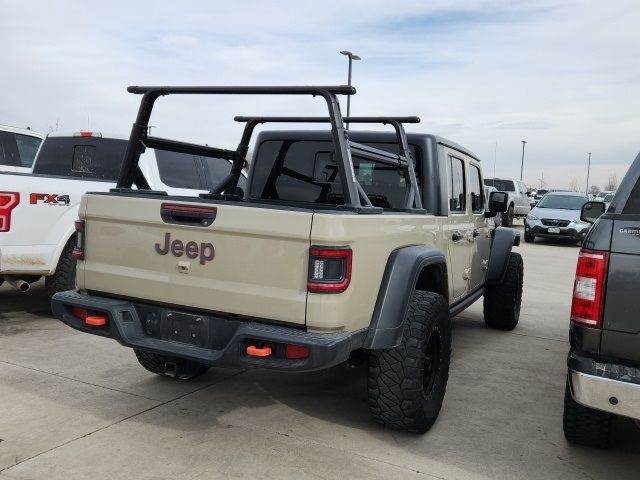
<point>557,215</point>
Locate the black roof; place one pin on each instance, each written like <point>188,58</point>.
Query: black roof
<point>363,136</point>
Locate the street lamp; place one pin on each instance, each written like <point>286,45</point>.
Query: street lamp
<point>588,169</point>
<point>352,57</point>
<point>522,161</point>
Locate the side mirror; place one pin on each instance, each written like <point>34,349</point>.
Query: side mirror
<point>498,202</point>
<point>533,203</point>
<point>591,211</point>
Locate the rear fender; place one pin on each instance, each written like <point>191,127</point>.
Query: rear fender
<point>401,275</point>
<point>503,240</point>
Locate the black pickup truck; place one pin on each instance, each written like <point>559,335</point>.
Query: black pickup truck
<point>604,359</point>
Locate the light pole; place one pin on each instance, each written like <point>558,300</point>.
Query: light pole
<point>522,161</point>
<point>588,170</point>
<point>352,57</point>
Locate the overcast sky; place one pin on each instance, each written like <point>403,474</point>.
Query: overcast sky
<point>562,75</point>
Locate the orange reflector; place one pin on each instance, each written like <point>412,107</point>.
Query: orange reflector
<point>259,352</point>
<point>96,320</point>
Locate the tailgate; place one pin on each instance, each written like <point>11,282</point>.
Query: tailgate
<point>249,261</point>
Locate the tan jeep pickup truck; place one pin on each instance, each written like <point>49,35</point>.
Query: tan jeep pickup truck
<point>345,245</point>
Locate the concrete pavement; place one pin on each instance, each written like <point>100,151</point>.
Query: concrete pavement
<point>78,406</point>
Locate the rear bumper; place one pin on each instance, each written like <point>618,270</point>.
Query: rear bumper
<point>215,340</point>
<point>605,386</point>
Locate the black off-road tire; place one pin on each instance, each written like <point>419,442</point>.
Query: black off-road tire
<point>507,217</point>
<point>528,238</point>
<point>502,301</point>
<point>167,366</point>
<point>406,384</point>
<point>64,278</point>
<point>584,425</point>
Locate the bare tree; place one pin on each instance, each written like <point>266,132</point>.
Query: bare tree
<point>594,190</point>
<point>612,183</point>
<point>541,181</point>
<point>573,184</point>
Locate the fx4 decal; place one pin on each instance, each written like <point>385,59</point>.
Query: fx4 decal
<point>49,199</point>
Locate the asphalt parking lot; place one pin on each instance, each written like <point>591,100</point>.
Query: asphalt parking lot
<point>78,406</point>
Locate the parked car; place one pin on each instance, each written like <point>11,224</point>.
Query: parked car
<point>519,203</point>
<point>600,196</point>
<point>540,193</point>
<point>557,215</point>
<point>331,254</point>
<point>603,379</point>
<point>39,200</point>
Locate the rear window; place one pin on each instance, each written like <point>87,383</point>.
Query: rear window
<point>18,150</point>
<point>500,185</point>
<point>633,202</point>
<point>92,158</point>
<point>307,171</point>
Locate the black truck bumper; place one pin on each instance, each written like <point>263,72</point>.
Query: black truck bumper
<point>215,340</point>
<point>605,386</point>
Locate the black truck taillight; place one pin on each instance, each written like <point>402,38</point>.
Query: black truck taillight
<point>329,269</point>
<point>589,287</point>
<point>8,201</point>
<point>78,250</point>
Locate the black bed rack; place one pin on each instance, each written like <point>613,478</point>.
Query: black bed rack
<point>354,195</point>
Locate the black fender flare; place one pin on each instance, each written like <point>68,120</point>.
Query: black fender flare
<point>503,240</point>
<point>400,276</point>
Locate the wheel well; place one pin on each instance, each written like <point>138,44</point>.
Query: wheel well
<point>433,278</point>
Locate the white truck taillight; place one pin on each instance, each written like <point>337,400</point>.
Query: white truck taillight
<point>78,250</point>
<point>8,201</point>
<point>329,269</point>
<point>589,288</point>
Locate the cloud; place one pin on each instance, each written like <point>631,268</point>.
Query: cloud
<point>561,75</point>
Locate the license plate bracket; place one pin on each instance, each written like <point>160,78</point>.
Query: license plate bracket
<point>185,328</point>
<point>553,230</point>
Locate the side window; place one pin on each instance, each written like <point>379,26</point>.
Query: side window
<point>18,150</point>
<point>456,185</point>
<point>475,187</point>
<point>27,148</point>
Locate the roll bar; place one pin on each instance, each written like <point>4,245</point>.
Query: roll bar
<point>354,195</point>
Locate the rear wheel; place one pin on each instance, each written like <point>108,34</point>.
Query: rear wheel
<point>502,301</point>
<point>64,278</point>
<point>407,383</point>
<point>167,366</point>
<point>584,425</point>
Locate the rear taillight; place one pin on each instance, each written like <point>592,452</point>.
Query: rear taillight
<point>589,288</point>
<point>8,201</point>
<point>329,269</point>
<point>78,250</point>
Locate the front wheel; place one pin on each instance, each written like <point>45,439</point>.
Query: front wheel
<point>528,238</point>
<point>502,301</point>
<point>507,217</point>
<point>407,383</point>
<point>167,366</point>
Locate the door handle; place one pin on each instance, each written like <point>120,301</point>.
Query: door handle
<point>456,236</point>
<point>476,232</point>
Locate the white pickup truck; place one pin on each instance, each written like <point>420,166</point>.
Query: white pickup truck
<point>519,202</point>
<point>42,180</point>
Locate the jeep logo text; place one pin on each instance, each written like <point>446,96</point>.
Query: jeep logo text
<point>191,249</point>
